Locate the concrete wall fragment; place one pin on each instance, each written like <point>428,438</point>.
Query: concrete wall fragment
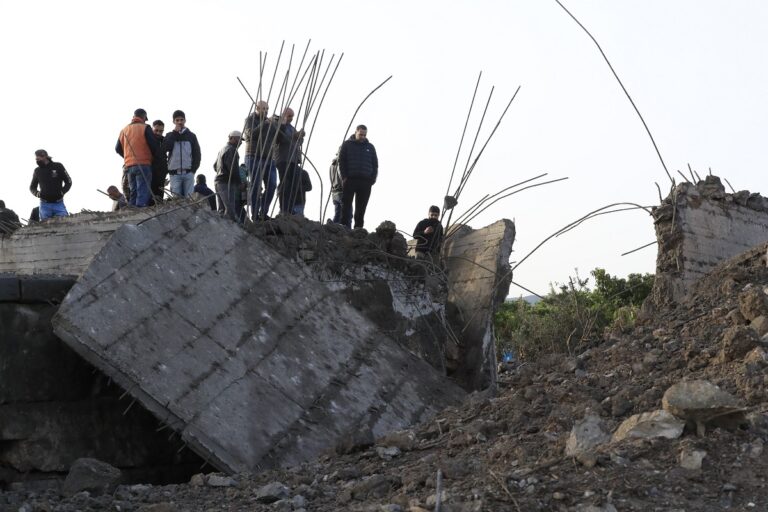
<point>56,408</point>
<point>698,227</point>
<point>61,246</point>
<point>477,265</point>
<point>251,359</point>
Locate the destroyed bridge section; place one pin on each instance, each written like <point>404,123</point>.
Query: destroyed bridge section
<point>240,350</point>
<point>698,226</point>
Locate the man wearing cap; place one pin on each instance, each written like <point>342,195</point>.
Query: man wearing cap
<point>50,182</point>
<point>227,182</point>
<point>287,155</point>
<point>183,156</point>
<point>136,144</point>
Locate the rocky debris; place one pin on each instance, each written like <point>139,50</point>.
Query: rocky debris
<point>272,492</point>
<point>753,303</point>
<point>702,403</point>
<point>737,342</point>
<point>586,435</point>
<point>91,475</point>
<point>650,425</point>
<point>691,458</point>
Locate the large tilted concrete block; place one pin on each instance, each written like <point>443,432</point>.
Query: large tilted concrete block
<point>254,362</point>
<point>477,264</point>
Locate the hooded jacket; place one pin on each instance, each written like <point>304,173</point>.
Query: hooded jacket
<point>183,151</point>
<point>53,181</point>
<point>357,159</point>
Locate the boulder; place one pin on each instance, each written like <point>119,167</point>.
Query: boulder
<point>701,403</point>
<point>692,459</point>
<point>760,325</point>
<point>737,341</point>
<point>91,475</point>
<point>649,425</point>
<point>586,435</point>
<point>753,303</point>
<point>272,492</point>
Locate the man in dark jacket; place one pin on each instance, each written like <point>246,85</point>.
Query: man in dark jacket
<point>260,134</point>
<point>159,163</point>
<point>203,191</point>
<point>359,168</point>
<point>227,182</point>
<point>301,195</point>
<point>50,182</point>
<point>287,155</point>
<point>429,233</point>
<point>9,221</point>
<point>183,156</point>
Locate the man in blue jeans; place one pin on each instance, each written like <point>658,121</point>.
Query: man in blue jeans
<point>138,146</point>
<point>261,132</point>
<point>183,156</point>
<point>50,182</point>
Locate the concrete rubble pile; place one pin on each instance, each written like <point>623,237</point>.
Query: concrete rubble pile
<point>255,358</point>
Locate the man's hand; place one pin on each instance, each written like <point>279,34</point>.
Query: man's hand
<point>428,230</point>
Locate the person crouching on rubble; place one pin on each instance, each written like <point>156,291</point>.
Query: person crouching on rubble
<point>118,199</point>
<point>429,234</point>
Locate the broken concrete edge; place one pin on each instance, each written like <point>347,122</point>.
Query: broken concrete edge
<point>35,288</point>
<point>698,227</point>
<point>479,276</point>
<point>196,442</point>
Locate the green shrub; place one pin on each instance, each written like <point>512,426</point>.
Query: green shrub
<point>570,315</point>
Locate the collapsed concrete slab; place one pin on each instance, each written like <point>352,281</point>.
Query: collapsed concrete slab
<point>698,227</point>
<point>477,264</point>
<point>253,361</point>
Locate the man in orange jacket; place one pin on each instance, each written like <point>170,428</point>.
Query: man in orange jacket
<point>137,145</point>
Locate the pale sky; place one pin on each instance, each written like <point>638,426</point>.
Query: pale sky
<point>73,73</point>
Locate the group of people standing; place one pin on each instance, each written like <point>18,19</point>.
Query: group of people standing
<point>273,155</point>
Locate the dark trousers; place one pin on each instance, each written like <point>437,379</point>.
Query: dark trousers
<point>229,195</point>
<point>360,190</point>
<point>290,181</point>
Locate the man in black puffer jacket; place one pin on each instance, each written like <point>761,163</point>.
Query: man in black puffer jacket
<point>359,168</point>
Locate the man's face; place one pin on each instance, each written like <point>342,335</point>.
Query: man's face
<point>360,134</point>
<point>158,129</point>
<point>179,123</point>
<point>113,194</point>
<point>288,116</point>
<point>434,215</point>
<point>262,108</point>
<point>41,160</point>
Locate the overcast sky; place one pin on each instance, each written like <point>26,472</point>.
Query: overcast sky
<point>73,72</point>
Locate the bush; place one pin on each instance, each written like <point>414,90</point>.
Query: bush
<point>570,316</point>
